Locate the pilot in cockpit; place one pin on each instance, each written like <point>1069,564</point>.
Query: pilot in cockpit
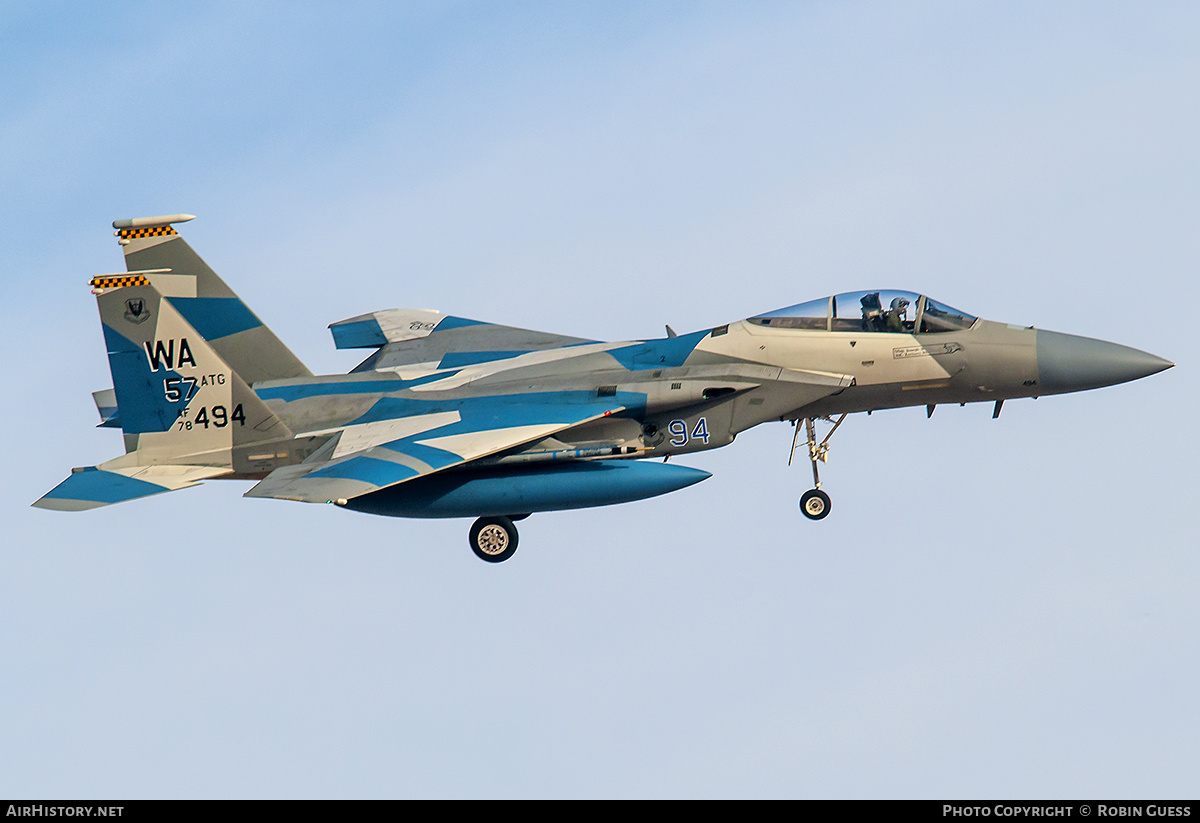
<point>876,318</point>
<point>897,315</point>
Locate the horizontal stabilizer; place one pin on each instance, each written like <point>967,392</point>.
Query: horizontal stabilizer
<point>106,404</point>
<point>92,487</point>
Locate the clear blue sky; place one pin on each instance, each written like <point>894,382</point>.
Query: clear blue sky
<point>993,609</point>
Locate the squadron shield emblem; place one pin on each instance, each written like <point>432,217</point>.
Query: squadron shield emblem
<point>136,311</point>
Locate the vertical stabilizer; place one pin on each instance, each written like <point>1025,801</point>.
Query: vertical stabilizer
<point>177,400</point>
<point>214,310</point>
<point>183,350</point>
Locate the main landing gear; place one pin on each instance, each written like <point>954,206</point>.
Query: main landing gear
<point>494,539</point>
<point>815,503</point>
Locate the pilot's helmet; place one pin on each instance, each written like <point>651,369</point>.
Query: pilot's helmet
<point>900,305</point>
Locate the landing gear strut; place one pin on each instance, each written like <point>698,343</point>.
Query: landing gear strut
<point>494,539</point>
<point>815,503</point>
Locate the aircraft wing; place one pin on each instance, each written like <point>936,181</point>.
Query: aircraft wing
<point>402,439</point>
<point>410,337</point>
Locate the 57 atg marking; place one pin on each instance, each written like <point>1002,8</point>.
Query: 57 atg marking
<point>179,388</point>
<point>184,388</point>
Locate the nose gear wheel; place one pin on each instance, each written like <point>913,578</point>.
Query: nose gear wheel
<point>815,503</point>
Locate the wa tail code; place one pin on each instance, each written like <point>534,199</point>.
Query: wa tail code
<point>158,354</point>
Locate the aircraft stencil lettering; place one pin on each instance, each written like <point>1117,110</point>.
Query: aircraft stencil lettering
<point>926,351</point>
<point>179,388</point>
<point>158,354</point>
<point>452,417</point>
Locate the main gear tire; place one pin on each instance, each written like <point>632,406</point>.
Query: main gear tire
<point>493,539</point>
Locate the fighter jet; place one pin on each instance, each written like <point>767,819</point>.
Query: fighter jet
<point>451,417</point>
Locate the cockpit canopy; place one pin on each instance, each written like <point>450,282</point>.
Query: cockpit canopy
<point>900,312</point>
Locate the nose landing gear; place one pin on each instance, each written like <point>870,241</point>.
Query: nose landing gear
<point>815,503</point>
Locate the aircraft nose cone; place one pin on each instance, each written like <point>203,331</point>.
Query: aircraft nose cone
<point>1068,363</point>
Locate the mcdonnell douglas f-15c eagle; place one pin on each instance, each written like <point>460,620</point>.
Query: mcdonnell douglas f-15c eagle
<point>450,417</point>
